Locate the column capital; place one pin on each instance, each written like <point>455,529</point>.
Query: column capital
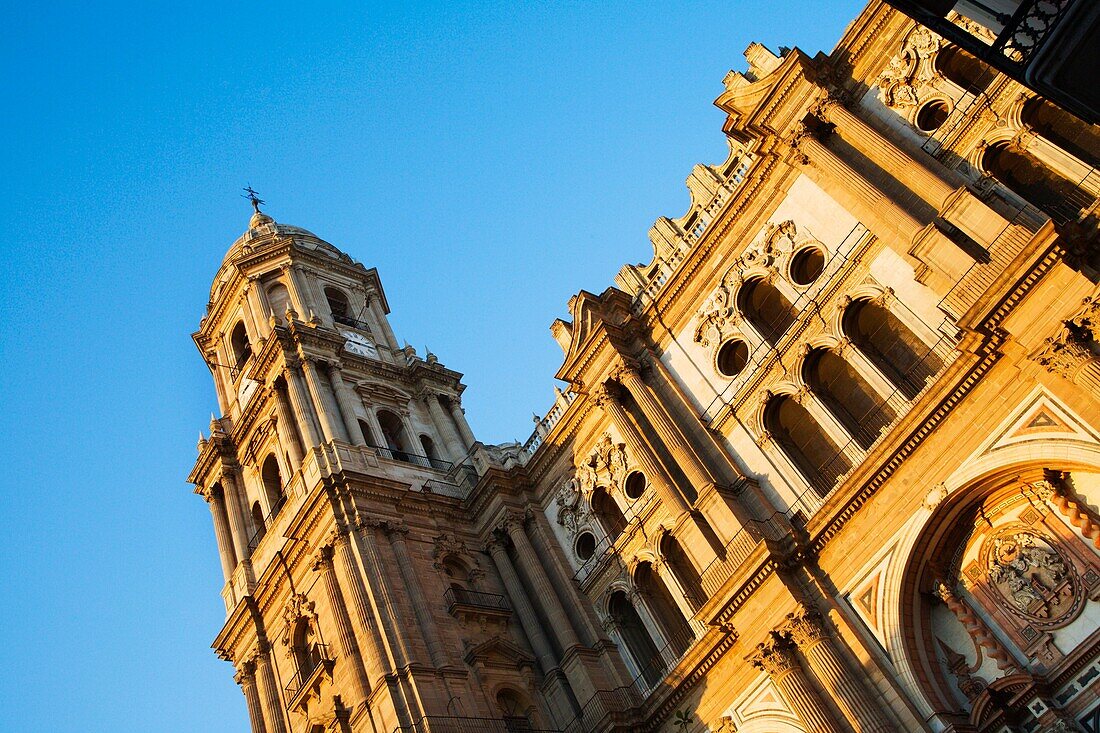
<point>208,494</point>
<point>604,396</point>
<point>774,657</point>
<point>513,523</point>
<point>393,529</point>
<point>627,371</point>
<point>805,627</point>
<point>322,559</point>
<point>495,543</point>
<point>246,672</point>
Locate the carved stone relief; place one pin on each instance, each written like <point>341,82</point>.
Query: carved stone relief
<point>910,69</point>
<point>1031,576</point>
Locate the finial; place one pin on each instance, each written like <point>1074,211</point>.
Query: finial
<point>291,314</point>
<point>254,197</point>
<point>429,356</point>
<point>202,441</point>
<point>535,418</point>
<point>258,217</point>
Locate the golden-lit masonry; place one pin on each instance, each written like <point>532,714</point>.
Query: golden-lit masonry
<point>829,462</point>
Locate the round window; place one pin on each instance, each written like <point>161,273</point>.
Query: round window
<point>585,545</point>
<point>732,357</point>
<point>932,115</point>
<point>807,265</point>
<point>634,486</point>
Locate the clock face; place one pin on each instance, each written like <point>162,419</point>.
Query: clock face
<point>359,344</point>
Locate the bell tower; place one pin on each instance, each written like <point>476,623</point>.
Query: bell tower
<point>331,443</point>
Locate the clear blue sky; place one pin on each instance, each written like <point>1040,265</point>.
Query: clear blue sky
<point>489,161</point>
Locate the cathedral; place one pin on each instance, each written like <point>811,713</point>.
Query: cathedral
<point>829,461</point>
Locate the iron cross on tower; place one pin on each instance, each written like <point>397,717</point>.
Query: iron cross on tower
<point>253,196</point>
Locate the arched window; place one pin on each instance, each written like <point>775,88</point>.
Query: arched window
<point>368,434</point>
<point>278,297</point>
<point>639,644</point>
<point>767,309</point>
<point>242,349</point>
<point>393,434</point>
<point>663,606</point>
<point>683,569</point>
<point>338,305</point>
<point>258,524</point>
<point>965,70</point>
<point>849,397</point>
<point>1034,182</point>
<point>891,346</point>
<point>607,511</point>
<point>817,457</point>
<point>273,484</point>
<point>514,711</point>
<point>429,448</point>
<point>1079,139</point>
<point>306,653</point>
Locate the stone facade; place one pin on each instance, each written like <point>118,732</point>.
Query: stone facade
<point>829,462</point>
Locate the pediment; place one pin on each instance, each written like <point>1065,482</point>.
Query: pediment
<point>1040,417</point>
<point>498,652</point>
<point>590,313</point>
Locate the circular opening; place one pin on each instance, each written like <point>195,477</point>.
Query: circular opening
<point>586,545</point>
<point>732,357</point>
<point>932,115</point>
<point>807,265</point>
<point>635,484</point>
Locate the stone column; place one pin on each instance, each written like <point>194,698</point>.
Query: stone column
<point>464,431</point>
<point>322,398</point>
<point>531,564</point>
<point>256,308</point>
<point>269,691</point>
<point>670,496</point>
<point>760,505</point>
<point>375,659</point>
<point>579,609</point>
<point>697,471</point>
<point>446,427</point>
<point>226,554</point>
<point>428,628</point>
<point>1053,488</point>
<point>346,400</point>
<point>380,591</point>
<point>246,678</point>
<point>978,631</point>
<point>897,162</point>
<point>375,304</point>
<point>865,200</point>
<point>778,660</point>
<point>806,631</point>
<point>286,419</point>
<point>303,408</point>
<point>299,291</point>
<point>349,647</point>
<point>238,514</point>
<point>520,602</point>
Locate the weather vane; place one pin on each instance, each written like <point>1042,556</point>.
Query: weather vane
<point>252,196</point>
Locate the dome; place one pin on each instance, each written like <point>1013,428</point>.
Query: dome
<point>264,230</point>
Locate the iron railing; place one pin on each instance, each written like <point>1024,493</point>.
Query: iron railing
<point>462,597</point>
<point>352,322</point>
<point>454,724</point>
<point>414,458</point>
<point>314,661</point>
<point>261,531</point>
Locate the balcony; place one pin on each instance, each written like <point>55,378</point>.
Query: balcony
<point>308,679</point>
<point>261,532</point>
<point>351,322</point>
<point>466,605</point>
<point>447,724</point>
<point>414,458</point>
